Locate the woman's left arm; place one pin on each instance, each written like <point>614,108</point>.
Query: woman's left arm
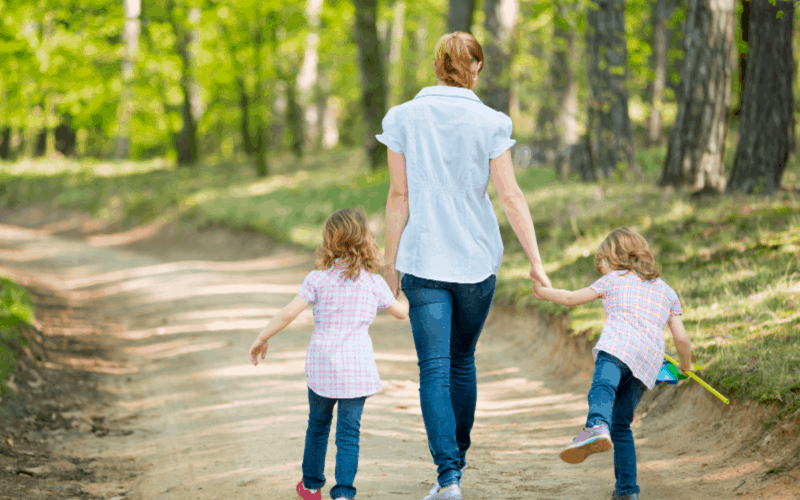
<point>396,215</point>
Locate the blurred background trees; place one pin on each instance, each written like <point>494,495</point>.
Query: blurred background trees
<point>242,81</point>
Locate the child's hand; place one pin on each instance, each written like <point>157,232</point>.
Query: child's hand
<point>259,346</point>
<point>685,368</point>
<point>537,288</point>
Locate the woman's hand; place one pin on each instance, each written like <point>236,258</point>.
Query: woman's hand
<point>537,287</point>
<point>392,279</point>
<point>538,274</point>
<point>259,346</point>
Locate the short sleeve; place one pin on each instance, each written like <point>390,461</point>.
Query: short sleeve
<point>308,289</point>
<point>383,292</point>
<point>603,285</point>
<point>501,140</point>
<point>675,308</point>
<point>393,135</point>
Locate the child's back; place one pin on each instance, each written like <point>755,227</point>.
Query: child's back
<point>340,361</point>
<point>637,310</point>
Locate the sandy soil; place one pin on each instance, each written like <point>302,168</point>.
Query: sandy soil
<point>194,419</point>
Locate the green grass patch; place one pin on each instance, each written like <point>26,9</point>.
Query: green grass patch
<point>16,310</point>
<point>734,260</point>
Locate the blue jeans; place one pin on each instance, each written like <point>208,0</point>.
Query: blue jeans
<point>613,397</point>
<point>348,425</point>
<point>446,320</point>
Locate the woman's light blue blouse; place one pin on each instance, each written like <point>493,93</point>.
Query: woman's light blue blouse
<point>448,136</point>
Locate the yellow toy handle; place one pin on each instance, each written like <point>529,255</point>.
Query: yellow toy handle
<point>698,380</point>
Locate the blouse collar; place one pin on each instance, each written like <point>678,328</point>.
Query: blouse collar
<point>448,91</point>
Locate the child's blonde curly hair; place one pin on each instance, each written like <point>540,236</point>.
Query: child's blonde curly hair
<point>347,237</point>
<point>625,249</point>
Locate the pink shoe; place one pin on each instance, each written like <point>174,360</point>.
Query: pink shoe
<point>592,440</point>
<point>304,494</point>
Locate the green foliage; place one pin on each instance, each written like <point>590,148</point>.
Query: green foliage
<point>16,310</point>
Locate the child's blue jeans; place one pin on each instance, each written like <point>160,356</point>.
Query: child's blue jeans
<point>446,321</point>
<point>348,425</point>
<point>613,397</point>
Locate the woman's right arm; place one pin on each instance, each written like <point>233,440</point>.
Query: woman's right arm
<point>516,208</point>
<point>396,215</point>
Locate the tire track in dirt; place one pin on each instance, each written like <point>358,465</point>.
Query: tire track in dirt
<point>207,424</point>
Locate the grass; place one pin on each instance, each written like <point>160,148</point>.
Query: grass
<point>734,260</point>
<point>16,310</point>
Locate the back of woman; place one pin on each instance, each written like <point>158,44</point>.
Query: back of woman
<point>448,136</point>
<point>445,146</point>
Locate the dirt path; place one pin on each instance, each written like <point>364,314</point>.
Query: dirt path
<point>206,424</point>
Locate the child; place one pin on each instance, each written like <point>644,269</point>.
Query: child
<point>340,366</point>
<point>630,351</point>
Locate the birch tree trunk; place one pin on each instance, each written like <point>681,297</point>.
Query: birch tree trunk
<point>697,139</point>
<point>395,69</point>
<point>133,11</point>
<point>501,16</point>
<point>460,15</point>
<point>308,78</point>
<point>766,127</point>
<point>373,86</point>
<point>610,133</point>
<point>662,12</point>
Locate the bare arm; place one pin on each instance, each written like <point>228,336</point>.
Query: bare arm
<point>396,215</point>
<point>278,322</point>
<point>399,309</point>
<point>519,215</point>
<point>682,343</point>
<point>566,297</point>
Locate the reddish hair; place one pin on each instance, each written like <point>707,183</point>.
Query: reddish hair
<point>454,54</point>
<point>347,237</point>
<point>625,249</point>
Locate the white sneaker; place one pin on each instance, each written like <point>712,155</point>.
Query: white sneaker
<point>450,493</point>
<point>436,485</point>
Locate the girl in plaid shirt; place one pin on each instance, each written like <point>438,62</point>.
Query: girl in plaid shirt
<point>340,367</point>
<point>630,351</point>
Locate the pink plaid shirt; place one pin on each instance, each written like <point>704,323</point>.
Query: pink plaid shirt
<point>339,360</point>
<point>637,310</point>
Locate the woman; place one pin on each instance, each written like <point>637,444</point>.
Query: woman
<point>442,234</point>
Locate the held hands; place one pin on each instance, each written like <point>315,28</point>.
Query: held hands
<point>540,279</point>
<point>259,346</point>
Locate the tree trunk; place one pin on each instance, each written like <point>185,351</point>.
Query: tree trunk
<point>373,93</point>
<point>394,68</point>
<point>262,165</point>
<point>610,133</point>
<point>565,83</point>
<point>766,127</point>
<point>186,143</point>
<point>662,13</point>
<point>307,80</point>
<point>697,139</point>
<point>133,10</point>
<point>65,136</point>
<point>294,119</point>
<point>5,143</point>
<point>40,146</point>
<point>501,16</point>
<point>744,23</point>
<point>460,16</point>
<point>330,129</point>
<point>244,109</point>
